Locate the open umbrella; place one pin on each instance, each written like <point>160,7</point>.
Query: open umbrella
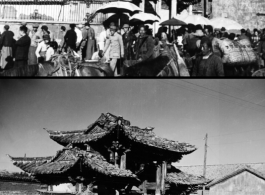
<point>116,18</point>
<point>173,22</point>
<point>225,22</point>
<point>119,7</point>
<point>197,19</point>
<point>145,18</point>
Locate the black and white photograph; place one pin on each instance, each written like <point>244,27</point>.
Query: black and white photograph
<point>132,136</point>
<point>132,38</point>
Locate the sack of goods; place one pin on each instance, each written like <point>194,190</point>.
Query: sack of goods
<point>237,52</point>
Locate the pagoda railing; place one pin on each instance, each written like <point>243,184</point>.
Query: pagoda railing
<point>51,10</point>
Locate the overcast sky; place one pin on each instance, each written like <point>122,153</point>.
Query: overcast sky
<point>178,109</point>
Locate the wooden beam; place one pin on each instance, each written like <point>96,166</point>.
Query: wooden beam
<point>123,161</point>
<point>163,176</point>
<point>158,179</point>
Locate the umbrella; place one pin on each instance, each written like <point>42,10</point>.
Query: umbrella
<point>119,7</point>
<point>124,18</point>
<point>197,19</point>
<point>173,22</point>
<point>225,22</point>
<point>143,18</point>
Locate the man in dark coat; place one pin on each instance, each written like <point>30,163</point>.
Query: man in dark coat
<point>209,64</point>
<point>6,43</point>
<point>144,45</point>
<point>22,47</point>
<point>128,38</point>
<point>70,37</point>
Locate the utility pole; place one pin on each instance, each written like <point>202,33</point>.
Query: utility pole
<point>205,158</point>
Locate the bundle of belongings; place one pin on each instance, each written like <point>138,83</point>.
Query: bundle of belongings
<point>237,52</point>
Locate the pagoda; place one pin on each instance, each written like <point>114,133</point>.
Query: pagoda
<point>111,155</point>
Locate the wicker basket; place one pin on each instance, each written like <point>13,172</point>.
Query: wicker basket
<point>237,52</point>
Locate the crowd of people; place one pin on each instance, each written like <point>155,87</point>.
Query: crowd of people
<point>197,44</point>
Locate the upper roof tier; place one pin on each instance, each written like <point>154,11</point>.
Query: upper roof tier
<point>107,123</point>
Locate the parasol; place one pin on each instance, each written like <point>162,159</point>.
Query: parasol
<point>173,22</point>
<point>197,19</point>
<point>225,22</point>
<point>145,18</point>
<point>119,7</point>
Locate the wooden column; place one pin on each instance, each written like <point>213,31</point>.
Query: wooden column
<point>190,9</point>
<point>163,176</point>
<point>123,161</point>
<point>116,159</point>
<point>173,8</point>
<point>158,179</point>
<point>142,5</point>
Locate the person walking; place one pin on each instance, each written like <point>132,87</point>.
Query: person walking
<point>91,42</point>
<point>62,43</point>
<point>103,37</point>
<point>70,38</point>
<point>6,43</point>
<point>116,49</point>
<point>128,38</point>
<point>22,47</point>
<point>34,36</point>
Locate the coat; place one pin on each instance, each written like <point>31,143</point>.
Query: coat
<point>144,47</point>
<point>128,40</point>
<point>70,38</point>
<point>6,39</point>
<point>22,48</point>
<point>116,46</point>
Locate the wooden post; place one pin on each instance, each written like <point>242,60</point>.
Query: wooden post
<point>142,5</point>
<point>158,179</point>
<point>163,176</point>
<point>123,161</point>
<point>205,158</point>
<point>173,8</point>
<point>190,9</point>
<point>116,160</point>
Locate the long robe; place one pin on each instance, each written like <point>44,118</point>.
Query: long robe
<point>6,52</point>
<point>91,44</point>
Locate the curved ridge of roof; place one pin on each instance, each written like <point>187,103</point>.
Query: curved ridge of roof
<point>107,122</point>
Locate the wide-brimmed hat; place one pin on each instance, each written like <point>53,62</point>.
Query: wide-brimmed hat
<point>126,26</point>
<point>198,33</point>
<point>80,26</point>
<point>35,25</point>
<point>23,23</point>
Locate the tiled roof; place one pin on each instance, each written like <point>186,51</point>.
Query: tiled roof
<point>236,172</point>
<point>107,122</point>
<point>215,172</point>
<point>66,159</point>
<point>11,177</point>
<point>185,179</point>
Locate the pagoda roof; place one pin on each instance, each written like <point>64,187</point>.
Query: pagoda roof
<point>65,159</point>
<point>105,125</point>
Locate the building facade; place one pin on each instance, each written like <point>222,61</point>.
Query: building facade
<point>243,11</point>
